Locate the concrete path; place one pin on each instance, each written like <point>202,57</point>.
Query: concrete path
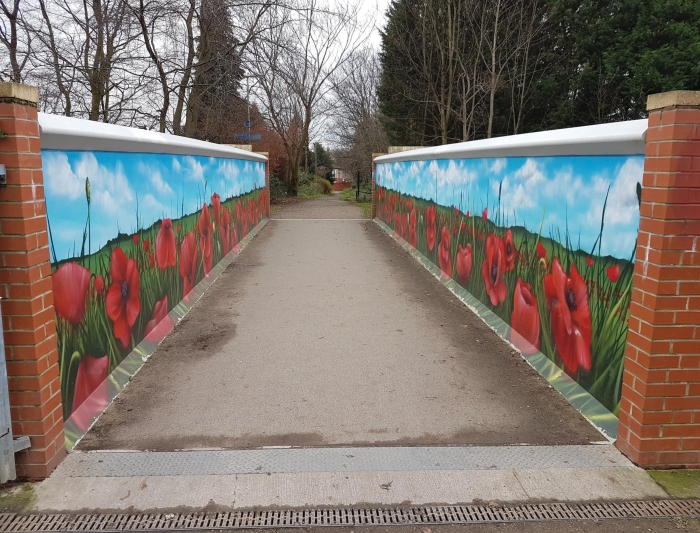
<point>326,335</point>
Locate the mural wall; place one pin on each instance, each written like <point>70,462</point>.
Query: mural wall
<point>131,235</point>
<point>546,243</point>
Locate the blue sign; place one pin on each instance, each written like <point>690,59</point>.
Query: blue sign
<point>241,135</point>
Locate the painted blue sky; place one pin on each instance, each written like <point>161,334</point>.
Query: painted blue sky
<point>563,189</point>
<point>160,183</point>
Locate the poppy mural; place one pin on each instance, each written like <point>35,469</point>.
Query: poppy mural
<point>544,243</point>
<point>132,235</point>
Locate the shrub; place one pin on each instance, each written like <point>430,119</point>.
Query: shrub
<point>278,189</point>
<point>324,186</point>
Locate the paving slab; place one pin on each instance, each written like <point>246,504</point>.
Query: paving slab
<point>298,478</point>
<point>327,333</point>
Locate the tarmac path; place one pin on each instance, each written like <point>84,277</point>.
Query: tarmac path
<point>324,332</point>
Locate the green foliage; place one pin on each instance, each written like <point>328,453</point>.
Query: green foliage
<point>311,186</point>
<point>589,62</point>
<point>278,189</point>
<point>350,195</point>
<point>324,186</point>
<point>320,162</point>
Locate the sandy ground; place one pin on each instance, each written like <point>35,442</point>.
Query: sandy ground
<point>327,333</point>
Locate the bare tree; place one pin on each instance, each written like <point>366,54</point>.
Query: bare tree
<point>292,64</point>
<point>10,26</point>
<point>357,125</point>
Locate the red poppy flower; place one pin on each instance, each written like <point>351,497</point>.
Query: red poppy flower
<point>589,262</point>
<point>525,320</point>
<point>146,245</point>
<point>413,228</point>
<point>430,227</point>
<point>381,194</point>
<point>510,250</point>
<point>188,263</point>
<point>541,250</point>
<point>467,215</point>
<point>205,239</point>
<point>234,239</point>
<point>464,263</point>
<point>613,273</point>
<point>160,312</point>
<point>567,299</point>
<point>152,260</point>
<point>92,371</point>
<point>456,213</point>
<point>98,286</point>
<point>135,238</point>
<point>166,250</point>
<point>485,214</point>
<point>123,303</point>
<point>216,205</point>
<point>444,255</point>
<point>70,289</point>
<point>178,228</point>
<point>397,224</point>
<point>409,204</point>
<point>404,226</point>
<point>225,231</point>
<point>493,269</point>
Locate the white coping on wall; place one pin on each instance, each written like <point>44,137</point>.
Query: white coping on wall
<point>619,138</point>
<point>66,133</point>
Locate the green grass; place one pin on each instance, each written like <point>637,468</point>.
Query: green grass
<point>365,203</point>
<point>678,483</point>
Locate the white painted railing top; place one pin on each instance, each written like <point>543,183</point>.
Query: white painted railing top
<point>619,138</point>
<point>65,133</point>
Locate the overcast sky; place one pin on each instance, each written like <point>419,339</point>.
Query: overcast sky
<point>375,9</point>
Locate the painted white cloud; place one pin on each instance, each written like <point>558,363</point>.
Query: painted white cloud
<point>59,177</point>
<point>498,165</point>
<point>156,179</point>
<point>194,171</point>
<point>623,205</point>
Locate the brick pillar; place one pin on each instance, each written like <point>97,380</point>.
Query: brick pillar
<point>660,407</point>
<point>25,288</point>
<point>267,183</point>
<point>374,199</point>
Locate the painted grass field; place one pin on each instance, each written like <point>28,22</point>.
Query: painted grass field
<point>107,302</point>
<point>571,305</point>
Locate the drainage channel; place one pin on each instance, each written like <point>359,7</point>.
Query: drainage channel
<point>387,516</point>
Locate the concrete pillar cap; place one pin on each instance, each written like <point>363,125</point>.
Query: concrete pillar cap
<point>673,99</point>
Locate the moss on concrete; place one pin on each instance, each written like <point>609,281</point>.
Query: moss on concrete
<point>17,497</point>
<point>678,483</point>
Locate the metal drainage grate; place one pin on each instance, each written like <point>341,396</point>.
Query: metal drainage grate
<point>428,515</point>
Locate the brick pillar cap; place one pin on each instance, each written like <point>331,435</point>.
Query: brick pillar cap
<point>673,99</point>
<point>17,91</point>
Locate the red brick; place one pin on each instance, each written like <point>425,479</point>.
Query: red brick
<point>680,116</point>
<point>683,430</point>
<point>12,110</point>
<point>28,128</point>
<point>678,458</point>
<point>682,417</point>
<point>23,226</point>
<point>683,376</point>
<point>683,403</point>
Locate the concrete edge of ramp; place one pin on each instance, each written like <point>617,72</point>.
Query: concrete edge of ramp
<point>160,493</point>
<point>485,474</point>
